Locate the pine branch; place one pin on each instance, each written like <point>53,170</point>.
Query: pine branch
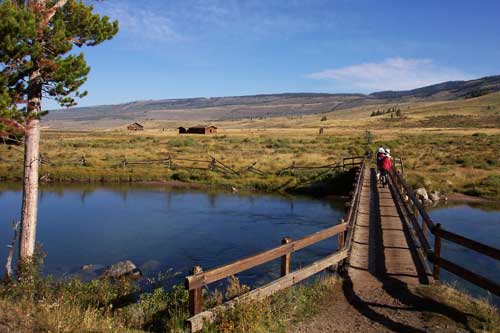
<point>52,11</point>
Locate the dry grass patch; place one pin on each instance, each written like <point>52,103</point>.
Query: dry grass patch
<point>479,314</point>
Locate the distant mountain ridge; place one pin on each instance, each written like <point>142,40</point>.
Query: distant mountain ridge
<point>267,105</point>
<point>447,90</point>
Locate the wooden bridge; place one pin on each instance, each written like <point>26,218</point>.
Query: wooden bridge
<point>386,239</point>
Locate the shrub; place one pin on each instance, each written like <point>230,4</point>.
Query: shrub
<point>186,142</point>
<point>181,175</point>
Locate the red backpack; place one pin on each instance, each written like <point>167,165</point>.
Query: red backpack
<point>386,163</point>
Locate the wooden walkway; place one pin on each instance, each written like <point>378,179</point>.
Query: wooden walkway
<point>382,249</point>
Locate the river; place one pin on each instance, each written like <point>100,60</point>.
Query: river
<point>161,229</point>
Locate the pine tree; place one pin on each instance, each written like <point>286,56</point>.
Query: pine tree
<point>36,37</point>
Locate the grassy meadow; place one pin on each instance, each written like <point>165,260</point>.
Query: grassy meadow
<point>447,146</point>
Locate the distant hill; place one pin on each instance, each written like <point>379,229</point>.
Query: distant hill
<point>261,106</point>
<point>450,90</point>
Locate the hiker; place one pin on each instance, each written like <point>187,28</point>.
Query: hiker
<point>380,157</point>
<point>386,166</point>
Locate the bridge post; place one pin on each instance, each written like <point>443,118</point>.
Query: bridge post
<point>195,295</point>
<point>341,239</point>
<point>286,259</point>
<point>340,246</point>
<point>415,212</point>
<point>424,228</point>
<point>437,251</point>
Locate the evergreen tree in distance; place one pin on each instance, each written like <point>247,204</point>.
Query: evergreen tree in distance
<point>36,37</point>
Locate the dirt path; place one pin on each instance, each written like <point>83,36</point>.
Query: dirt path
<point>379,292</point>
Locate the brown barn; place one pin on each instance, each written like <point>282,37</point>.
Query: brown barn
<point>135,127</point>
<point>200,129</point>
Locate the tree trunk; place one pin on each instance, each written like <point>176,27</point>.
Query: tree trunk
<point>31,163</point>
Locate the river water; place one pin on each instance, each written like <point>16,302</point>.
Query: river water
<point>161,229</point>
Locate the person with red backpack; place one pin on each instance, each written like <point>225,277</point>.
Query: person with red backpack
<point>386,166</point>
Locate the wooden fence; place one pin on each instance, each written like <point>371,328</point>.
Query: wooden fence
<point>414,209</point>
<point>199,278</point>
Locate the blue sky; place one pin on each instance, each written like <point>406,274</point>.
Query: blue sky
<point>193,48</point>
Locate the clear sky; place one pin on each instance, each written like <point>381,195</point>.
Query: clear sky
<point>193,48</point>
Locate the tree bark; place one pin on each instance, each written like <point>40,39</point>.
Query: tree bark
<point>31,162</point>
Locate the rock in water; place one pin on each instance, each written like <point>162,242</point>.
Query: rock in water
<point>122,269</point>
<point>427,202</point>
<point>435,196</point>
<point>150,265</point>
<point>91,268</point>
<point>422,194</point>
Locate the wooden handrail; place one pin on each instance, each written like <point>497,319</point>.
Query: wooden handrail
<point>469,243</point>
<point>198,280</point>
<point>196,322</point>
<point>354,157</point>
<point>352,213</point>
<point>420,234</point>
<point>439,233</point>
<point>409,191</point>
<point>468,275</point>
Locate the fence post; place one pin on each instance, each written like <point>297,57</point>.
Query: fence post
<point>415,211</point>
<point>285,260</point>
<point>341,237</point>
<point>424,228</point>
<point>437,251</point>
<point>341,244</point>
<point>195,295</point>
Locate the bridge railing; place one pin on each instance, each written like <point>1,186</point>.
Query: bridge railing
<point>414,209</point>
<point>199,278</point>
